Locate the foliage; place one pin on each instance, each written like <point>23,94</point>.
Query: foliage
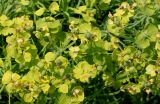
<point>79,51</point>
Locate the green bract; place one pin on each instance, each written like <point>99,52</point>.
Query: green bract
<point>145,37</point>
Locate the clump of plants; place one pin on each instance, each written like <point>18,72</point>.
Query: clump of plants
<point>79,51</point>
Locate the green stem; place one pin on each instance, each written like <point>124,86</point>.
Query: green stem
<point>9,101</point>
<point>2,89</point>
<point>43,49</point>
<point>79,2</point>
<point>62,50</point>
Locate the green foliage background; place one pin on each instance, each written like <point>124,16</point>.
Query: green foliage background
<point>79,51</point>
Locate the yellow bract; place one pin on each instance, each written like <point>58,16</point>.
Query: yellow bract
<point>83,71</point>
<point>1,63</point>
<point>73,51</point>
<point>63,88</point>
<point>106,1</point>
<point>54,7</point>
<point>27,57</point>
<point>40,11</point>
<point>45,88</point>
<point>7,77</point>
<point>24,2</point>
<point>28,97</point>
<point>50,56</point>
<point>151,70</point>
<point>15,76</point>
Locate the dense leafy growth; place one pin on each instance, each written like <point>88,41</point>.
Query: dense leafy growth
<point>79,51</point>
